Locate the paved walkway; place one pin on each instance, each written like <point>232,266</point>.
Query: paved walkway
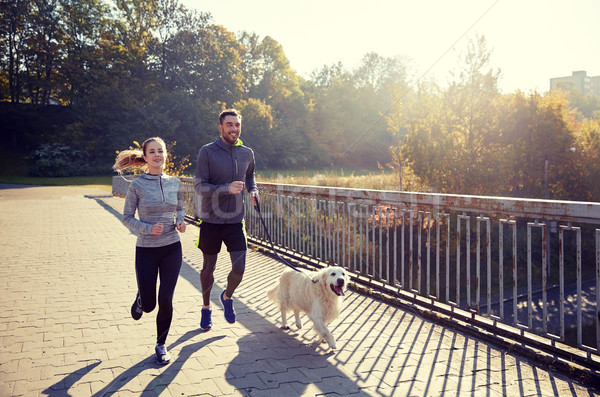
<point>67,283</point>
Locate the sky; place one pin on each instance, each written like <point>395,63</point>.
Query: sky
<point>530,41</point>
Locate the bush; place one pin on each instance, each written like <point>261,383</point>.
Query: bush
<point>59,160</point>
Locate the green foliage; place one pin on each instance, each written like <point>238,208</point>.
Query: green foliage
<point>470,139</point>
<point>59,160</point>
<point>99,74</point>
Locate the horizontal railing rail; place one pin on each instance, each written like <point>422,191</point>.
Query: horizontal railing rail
<point>532,266</point>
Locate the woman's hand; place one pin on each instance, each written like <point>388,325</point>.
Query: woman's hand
<point>157,229</point>
<point>180,226</point>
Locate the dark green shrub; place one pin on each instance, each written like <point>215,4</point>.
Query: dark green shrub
<point>59,160</point>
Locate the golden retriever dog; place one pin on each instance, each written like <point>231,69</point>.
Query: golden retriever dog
<point>317,295</point>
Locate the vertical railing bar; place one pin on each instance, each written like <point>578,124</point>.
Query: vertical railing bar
<point>341,225</point>
<point>275,221</point>
<point>419,243</point>
<point>545,259</point>
<point>598,289</point>
<point>500,268</point>
<point>561,275</point>
<point>361,261</point>
<point>395,261</point>
<point>320,231</point>
<point>353,217</point>
<point>313,227</point>
<point>468,256</point>
<point>514,267</point>
<point>388,220</point>
<point>343,261</point>
<point>290,222</point>
<point>380,226</point>
<point>330,232</point>
<point>281,221</point>
<point>579,298</point>
<point>328,236</point>
<point>300,227</point>
<point>295,224</point>
<point>273,218</point>
<point>307,215</point>
<point>360,240</point>
<point>324,232</point>
<point>448,257</point>
<point>437,255</point>
<point>402,251</point>
<point>334,232</point>
<point>489,266</point>
<point>372,246</point>
<point>336,241</point>
<point>372,252</point>
<point>364,249</point>
<point>458,222</point>
<point>325,223</point>
<point>285,222</point>
<point>271,215</point>
<point>428,253</point>
<point>478,265</point>
<point>529,289</point>
<point>367,245</point>
<point>410,251</point>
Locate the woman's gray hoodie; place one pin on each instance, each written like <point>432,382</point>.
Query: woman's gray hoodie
<point>157,198</point>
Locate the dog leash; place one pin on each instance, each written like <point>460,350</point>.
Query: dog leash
<point>257,207</point>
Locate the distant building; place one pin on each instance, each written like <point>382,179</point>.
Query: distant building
<point>579,81</point>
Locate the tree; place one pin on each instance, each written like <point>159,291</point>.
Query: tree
<point>578,172</point>
<point>472,118</point>
<point>13,41</point>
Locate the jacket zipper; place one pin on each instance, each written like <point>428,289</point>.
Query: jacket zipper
<point>162,193</point>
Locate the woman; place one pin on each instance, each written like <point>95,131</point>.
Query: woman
<point>158,199</point>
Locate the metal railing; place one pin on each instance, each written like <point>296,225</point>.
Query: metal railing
<point>530,266</point>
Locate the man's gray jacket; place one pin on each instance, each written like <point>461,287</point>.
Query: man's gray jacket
<point>217,166</point>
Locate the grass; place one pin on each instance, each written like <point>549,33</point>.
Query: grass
<point>14,168</point>
<point>97,182</point>
<point>377,180</point>
<point>355,179</point>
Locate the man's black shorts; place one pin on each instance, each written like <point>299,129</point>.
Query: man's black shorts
<point>213,235</point>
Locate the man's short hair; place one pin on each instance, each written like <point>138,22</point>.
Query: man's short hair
<point>229,112</point>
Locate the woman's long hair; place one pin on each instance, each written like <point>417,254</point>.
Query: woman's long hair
<point>134,158</point>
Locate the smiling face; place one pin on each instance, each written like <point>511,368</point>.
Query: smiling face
<point>230,129</point>
<point>155,154</point>
<point>337,279</point>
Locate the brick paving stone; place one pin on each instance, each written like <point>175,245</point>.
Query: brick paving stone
<point>67,283</point>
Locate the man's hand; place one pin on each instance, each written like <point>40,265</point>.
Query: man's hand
<point>254,198</point>
<point>236,187</point>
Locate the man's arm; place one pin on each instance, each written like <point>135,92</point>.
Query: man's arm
<point>202,186</point>
<point>251,181</point>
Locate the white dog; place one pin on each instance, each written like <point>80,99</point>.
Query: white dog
<point>316,294</point>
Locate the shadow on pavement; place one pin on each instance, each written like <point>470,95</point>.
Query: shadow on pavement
<point>61,387</point>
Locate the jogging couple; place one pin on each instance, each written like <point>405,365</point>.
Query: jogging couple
<point>223,169</point>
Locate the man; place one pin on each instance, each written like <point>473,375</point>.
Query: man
<point>223,168</point>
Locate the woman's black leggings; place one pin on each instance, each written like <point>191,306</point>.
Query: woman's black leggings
<point>150,262</point>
